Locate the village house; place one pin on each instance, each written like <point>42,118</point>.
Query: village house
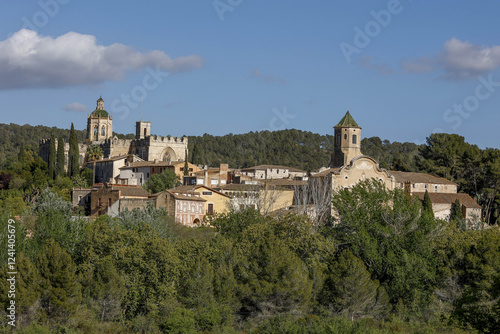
<point>111,199</point>
<point>187,208</point>
<point>216,202</point>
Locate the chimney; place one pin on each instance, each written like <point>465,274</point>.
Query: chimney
<point>205,178</point>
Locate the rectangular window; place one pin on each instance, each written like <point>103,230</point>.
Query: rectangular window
<point>109,201</point>
<point>425,186</point>
<point>99,202</point>
<point>206,193</point>
<point>210,210</point>
<point>354,139</point>
<point>435,188</point>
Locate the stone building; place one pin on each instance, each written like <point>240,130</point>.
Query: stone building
<point>146,146</point>
<point>111,199</point>
<point>348,166</point>
<point>187,208</point>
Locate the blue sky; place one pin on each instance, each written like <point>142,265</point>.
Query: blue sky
<point>404,68</point>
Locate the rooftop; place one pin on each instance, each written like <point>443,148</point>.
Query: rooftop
<point>402,177</point>
<point>347,122</point>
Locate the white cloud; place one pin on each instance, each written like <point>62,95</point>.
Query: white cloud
<point>458,61</point>
<point>28,59</point>
<point>368,62</point>
<point>75,106</point>
<point>267,78</point>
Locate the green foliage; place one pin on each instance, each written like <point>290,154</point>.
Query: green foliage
<point>60,290</point>
<point>59,171</point>
<point>52,158</point>
<point>73,154</point>
<point>159,182</point>
<point>186,165</point>
<point>386,230</point>
<point>351,292</point>
<point>427,204</point>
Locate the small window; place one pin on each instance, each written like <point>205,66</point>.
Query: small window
<point>109,201</point>
<point>345,136</point>
<point>425,187</point>
<point>435,188</point>
<point>210,210</point>
<point>206,193</point>
<point>354,139</point>
<point>147,174</point>
<point>99,202</point>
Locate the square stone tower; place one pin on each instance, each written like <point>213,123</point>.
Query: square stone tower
<point>347,141</point>
<point>142,129</point>
<point>99,123</point>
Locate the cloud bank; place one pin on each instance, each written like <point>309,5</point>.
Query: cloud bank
<point>75,106</point>
<point>458,61</point>
<point>30,60</point>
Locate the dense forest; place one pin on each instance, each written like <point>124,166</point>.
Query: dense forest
<point>381,269</point>
<point>383,265</point>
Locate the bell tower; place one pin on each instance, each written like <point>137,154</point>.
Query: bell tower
<point>347,144</point>
<point>99,123</point>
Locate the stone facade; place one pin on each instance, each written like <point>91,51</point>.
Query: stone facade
<point>104,198</point>
<point>146,146</point>
<point>187,208</point>
<point>349,166</point>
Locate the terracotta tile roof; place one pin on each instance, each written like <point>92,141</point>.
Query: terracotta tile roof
<point>326,172</point>
<point>450,198</point>
<point>137,164</point>
<point>119,157</point>
<point>186,196</point>
<point>125,190</point>
<point>262,167</point>
<point>192,188</point>
<point>402,177</point>
<point>241,187</point>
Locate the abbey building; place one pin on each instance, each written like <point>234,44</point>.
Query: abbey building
<point>145,146</point>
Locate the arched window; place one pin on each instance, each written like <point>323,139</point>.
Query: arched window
<point>95,131</point>
<point>144,132</point>
<point>103,131</point>
<point>345,136</point>
<point>354,139</point>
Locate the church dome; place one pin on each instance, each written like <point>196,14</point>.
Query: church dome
<point>99,110</point>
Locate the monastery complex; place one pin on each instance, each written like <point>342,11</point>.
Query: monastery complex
<point>127,164</point>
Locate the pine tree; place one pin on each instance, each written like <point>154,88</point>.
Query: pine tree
<point>61,292</point>
<point>74,154</point>
<point>52,158</point>
<point>186,165</point>
<point>59,171</point>
<point>427,205</point>
<point>22,153</point>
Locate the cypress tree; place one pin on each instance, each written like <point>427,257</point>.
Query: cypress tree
<point>427,205</point>
<point>195,158</point>
<point>186,165</point>
<point>74,154</point>
<point>60,157</point>
<point>456,211</point>
<point>52,158</point>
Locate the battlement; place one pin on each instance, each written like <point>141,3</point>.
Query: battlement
<point>167,139</point>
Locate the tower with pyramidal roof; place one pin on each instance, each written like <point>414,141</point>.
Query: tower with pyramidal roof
<point>347,144</point>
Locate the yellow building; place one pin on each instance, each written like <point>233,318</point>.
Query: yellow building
<point>216,202</point>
